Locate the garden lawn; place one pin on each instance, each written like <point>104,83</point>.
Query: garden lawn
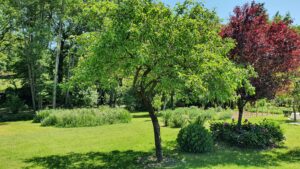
<point>28,145</point>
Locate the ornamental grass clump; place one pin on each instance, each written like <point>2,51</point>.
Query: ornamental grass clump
<point>82,117</point>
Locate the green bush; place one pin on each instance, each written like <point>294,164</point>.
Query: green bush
<point>195,138</point>
<point>262,135</point>
<point>82,117</point>
<point>14,104</point>
<point>41,115</point>
<point>24,115</point>
<point>181,117</point>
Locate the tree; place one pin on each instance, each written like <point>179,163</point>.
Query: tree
<point>272,48</point>
<point>161,51</point>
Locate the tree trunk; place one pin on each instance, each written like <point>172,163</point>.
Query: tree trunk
<point>157,138</point>
<point>156,127</point>
<point>294,110</point>
<point>172,100</point>
<point>32,87</point>
<point>70,65</point>
<point>241,111</point>
<point>56,66</point>
<point>60,69</point>
<point>112,100</point>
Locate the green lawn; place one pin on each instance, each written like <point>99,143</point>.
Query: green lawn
<point>27,145</point>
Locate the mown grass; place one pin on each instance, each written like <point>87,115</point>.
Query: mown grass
<point>28,145</point>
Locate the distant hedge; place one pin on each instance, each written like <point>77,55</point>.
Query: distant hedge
<point>83,117</point>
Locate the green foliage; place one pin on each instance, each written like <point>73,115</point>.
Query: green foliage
<point>262,135</point>
<point>14,104</point>
<point>195,138</point>
<point>41,115</point>
<point>23,115</point>
<point>265,106</point>
<point>180,117</point>
<point>82,117</point>
<point>163,50</point>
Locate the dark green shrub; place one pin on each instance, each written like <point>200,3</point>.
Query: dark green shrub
<point>24,115</point>
<point>195,138</point>
<point>14,104</point>
<point>261,135</point>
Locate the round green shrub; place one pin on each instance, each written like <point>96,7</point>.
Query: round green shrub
<point>195,138</point>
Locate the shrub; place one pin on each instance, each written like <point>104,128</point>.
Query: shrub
<point>14,103</point>
<point>262,135</point>
<point>24,115</point>
<point>82,117</point>
<point>41,115</point>
<point>195,138</point>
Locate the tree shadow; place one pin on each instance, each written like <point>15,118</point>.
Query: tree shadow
<point>90,160</point>
<point>140,116</point>
<point>222,156</point>
<point>226,156</point>
<point>290,156</point>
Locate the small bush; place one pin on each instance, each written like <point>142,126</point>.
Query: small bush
<point>41,115</point>
<point>195,138</point>
<point>82,117</point>
<point>261,135</point>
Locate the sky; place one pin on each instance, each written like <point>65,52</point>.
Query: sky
<point>224,8</point>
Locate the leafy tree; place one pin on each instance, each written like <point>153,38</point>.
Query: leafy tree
<point>273,50</point>
<point>160,51</point>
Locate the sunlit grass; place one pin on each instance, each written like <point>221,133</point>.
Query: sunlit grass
<point>24,144</point>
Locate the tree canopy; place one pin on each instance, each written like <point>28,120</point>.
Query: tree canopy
<point>162,50</point>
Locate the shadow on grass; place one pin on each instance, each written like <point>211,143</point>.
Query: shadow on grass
<point>222,156</point>
<point>141,115</point>
<point>240,157</point>
<point>3,123</point>
<point>91,160</point>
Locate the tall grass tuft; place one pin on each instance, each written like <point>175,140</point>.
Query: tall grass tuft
<point>82,117</point>
<point>181,117</point>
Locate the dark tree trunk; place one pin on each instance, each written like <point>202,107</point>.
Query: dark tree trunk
<point>241,111</point>
<point>294,110</point>
<point>112,99</point>
<point>172,100</point>
<point>156,127</point>
<point>60,72</point>
<point>157,138</point>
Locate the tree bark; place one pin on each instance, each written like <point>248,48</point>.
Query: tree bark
<point>70,65</point>
<point>294,110</point>
<point>32,87</point>
<point>157,137</point>
<point>156,127</point>
<point>56,69</point>
<point>59,40</point>
<point>241,111</point>
<point>172,100</point>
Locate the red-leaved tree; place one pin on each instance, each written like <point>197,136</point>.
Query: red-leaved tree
<point>272,48</point>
